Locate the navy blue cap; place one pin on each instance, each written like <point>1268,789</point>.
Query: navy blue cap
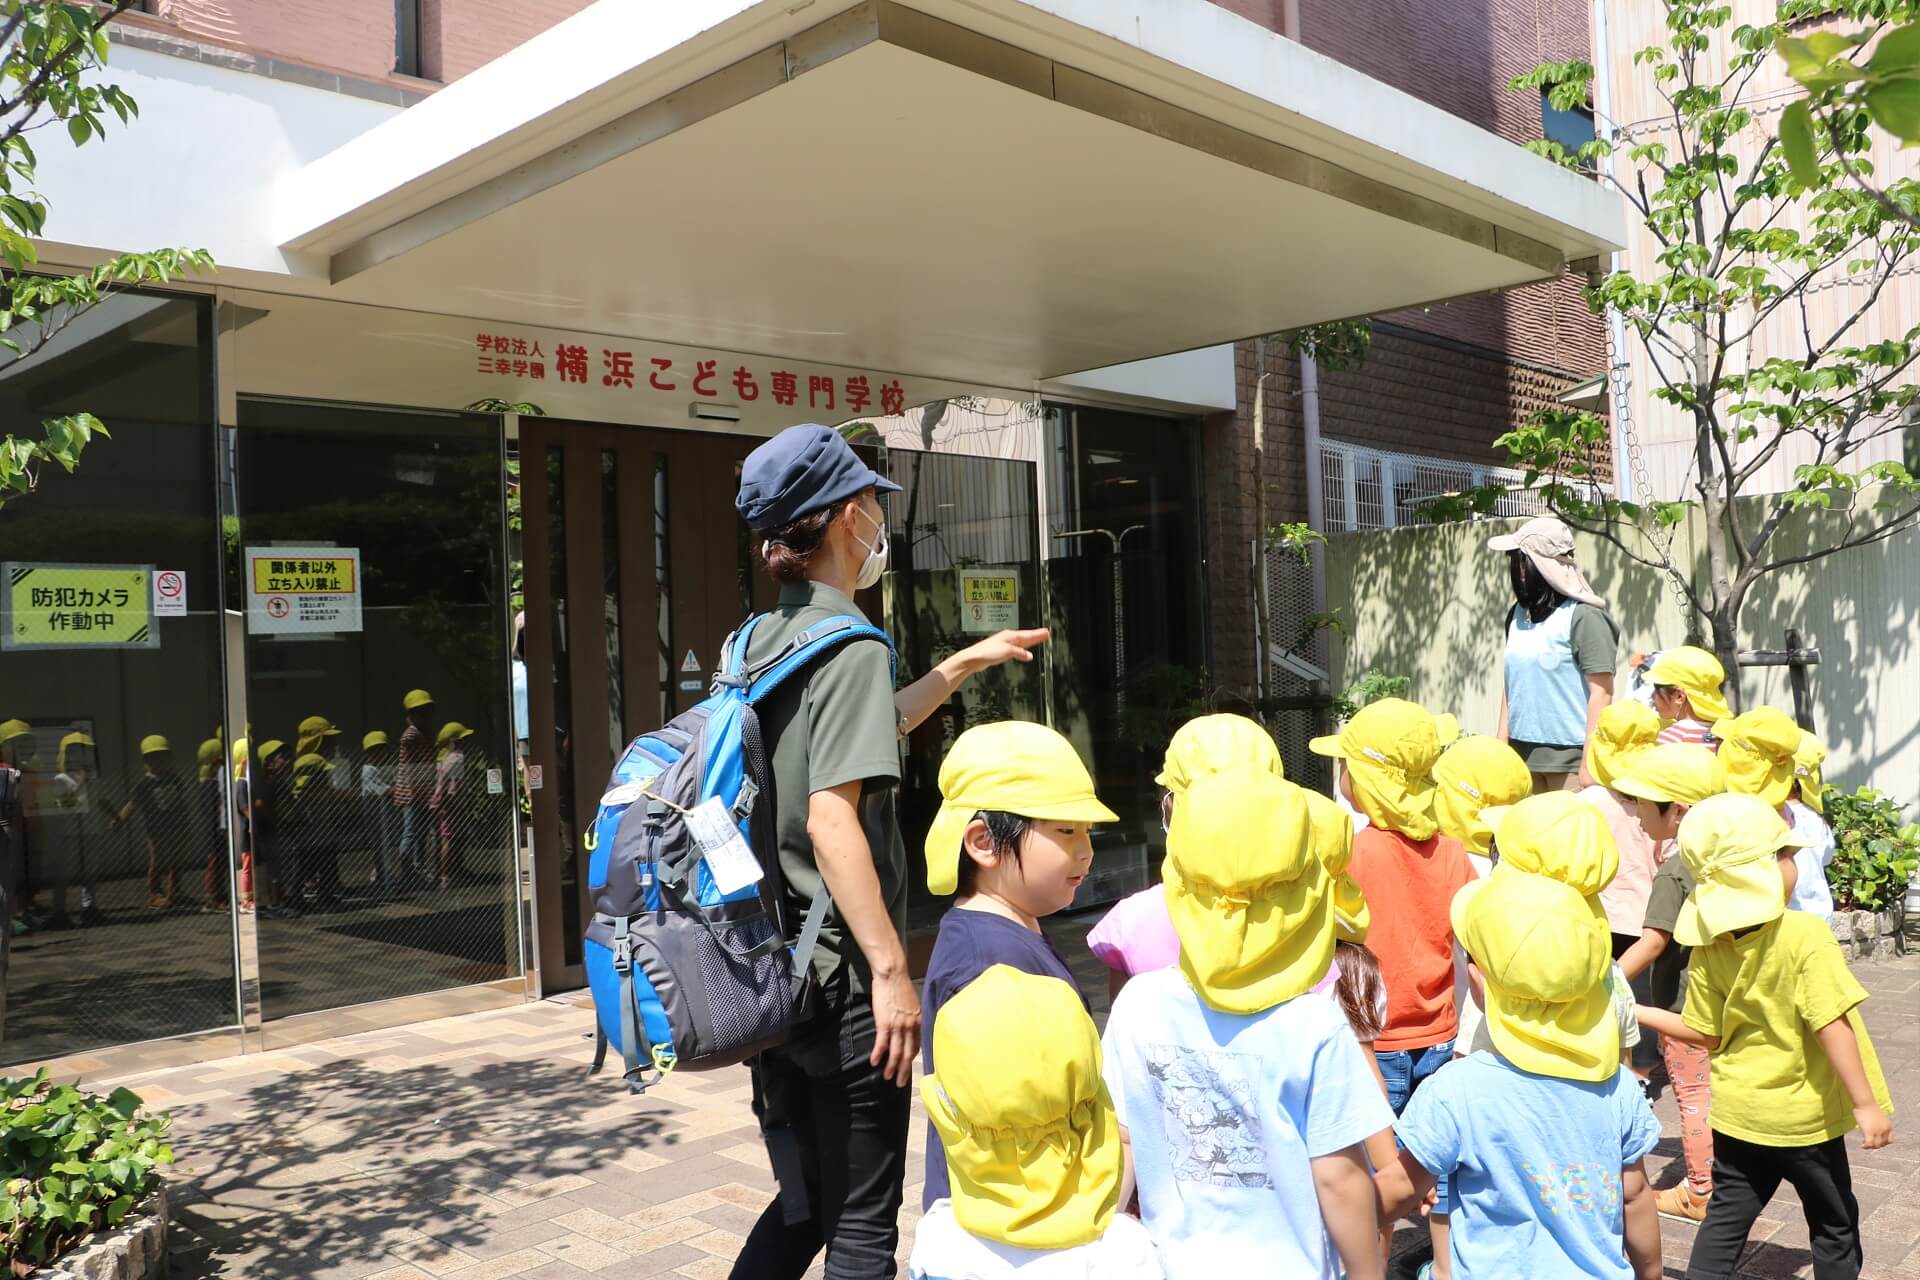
<point>803,469</point>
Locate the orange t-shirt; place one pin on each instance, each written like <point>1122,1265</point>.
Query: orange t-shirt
<point>1409,885</point>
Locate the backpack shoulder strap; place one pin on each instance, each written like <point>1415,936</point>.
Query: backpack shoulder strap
<point>808,647</point>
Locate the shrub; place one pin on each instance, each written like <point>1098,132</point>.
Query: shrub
<point>1370,687</point>
<point>71,1163</point>
<point>1875,853</point>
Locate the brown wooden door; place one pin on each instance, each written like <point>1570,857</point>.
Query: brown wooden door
<point>635,568</point>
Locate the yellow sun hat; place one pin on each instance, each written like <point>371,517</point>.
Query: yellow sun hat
<point>208,757</point>
<point>1730,843</point>
<point>1696,673</point>
<point>1389,748</point>
<point>1331,829</point>
<point>1247,892</point>
<point>452,731</point>
<point>1032,1142</point>
<point>1757,749</point>
<point>11,729</point>
<point>374,738</point>
<point>1674,773</point>
<point>1544,956</point>
<point>153,744</point>
<point>1560,836</point>
<point>1204,746</point>
<point>306,768</point>
<point>72,740</point>
<point>239,754</point>
<point>269,749</point>
<point>312,730</point>
<point>415,699</point>
<point>1806,771</point>
<point>1014,767</point>
<point>1474,775</point>
<point>1623,731</point>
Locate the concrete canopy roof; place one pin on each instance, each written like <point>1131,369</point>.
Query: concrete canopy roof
<point>989,191</point>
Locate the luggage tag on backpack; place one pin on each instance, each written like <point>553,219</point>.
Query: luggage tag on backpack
<point>729,860</point>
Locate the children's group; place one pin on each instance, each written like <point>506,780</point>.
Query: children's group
<point>1433,997</point>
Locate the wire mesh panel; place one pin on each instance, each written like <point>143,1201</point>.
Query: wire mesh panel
<point>1368,489</point>
<point>1296,681</point>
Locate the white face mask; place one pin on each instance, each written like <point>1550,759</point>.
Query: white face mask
<point>876,562</point>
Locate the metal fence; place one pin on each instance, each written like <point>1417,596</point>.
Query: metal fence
<point>1365,489</point>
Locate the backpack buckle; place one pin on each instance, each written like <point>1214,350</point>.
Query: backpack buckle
<point>622,947</point>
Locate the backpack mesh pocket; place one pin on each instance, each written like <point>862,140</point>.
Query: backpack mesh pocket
<point>747,1000</point>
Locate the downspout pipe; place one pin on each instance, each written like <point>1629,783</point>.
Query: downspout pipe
<point>1619,365</point>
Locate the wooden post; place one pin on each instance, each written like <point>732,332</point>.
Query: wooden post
<point>1796,659</point>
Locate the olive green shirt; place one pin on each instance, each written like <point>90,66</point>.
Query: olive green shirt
<point>836,726</point>
<point>1672,886</point>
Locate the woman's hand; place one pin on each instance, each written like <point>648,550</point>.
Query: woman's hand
<point>1004,646</point>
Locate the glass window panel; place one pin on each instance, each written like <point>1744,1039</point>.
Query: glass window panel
<point>380,869</point>
<point>663,585</point>
<point>113,821</point>
<point>610,560</point>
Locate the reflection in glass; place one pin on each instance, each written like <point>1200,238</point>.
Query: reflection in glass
<point>376,799</point>
<point>663,583</point>
<point>610,593</point>
<point>113,813</point>
<point>556,471</point>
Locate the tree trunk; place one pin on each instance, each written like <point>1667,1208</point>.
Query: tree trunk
<point>1723,615</point>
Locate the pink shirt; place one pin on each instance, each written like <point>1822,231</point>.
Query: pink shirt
<point>1625,900</point>
<point>1136,936</point>
<point>1696,732</point>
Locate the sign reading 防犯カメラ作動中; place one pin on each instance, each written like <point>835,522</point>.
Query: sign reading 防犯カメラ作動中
<point>77,606</point>
<point>989,600</point>
<point>310,591</point>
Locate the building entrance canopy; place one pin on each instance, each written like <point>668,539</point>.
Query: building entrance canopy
<point>988,192</point>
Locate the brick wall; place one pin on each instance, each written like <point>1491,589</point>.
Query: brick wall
<point>357,36</point>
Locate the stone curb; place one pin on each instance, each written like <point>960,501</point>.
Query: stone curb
<point>134,1250</point>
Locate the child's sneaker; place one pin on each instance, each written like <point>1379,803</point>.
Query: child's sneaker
<point>1680,1202</point>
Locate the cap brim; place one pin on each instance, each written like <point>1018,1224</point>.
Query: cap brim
<point>1504,542</point>
<point>1328,746</point>
<point>883,484</point>
<point>1089,810</point>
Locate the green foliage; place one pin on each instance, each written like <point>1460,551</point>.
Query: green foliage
<point>52,51</point>
<point>1297,539</point>
<point>1841,72</point>
<point>1336,346</point>
<point>71,1163</point>
<point>1745,226</point>
<point>1370,687</point>
<point>1875,852</point>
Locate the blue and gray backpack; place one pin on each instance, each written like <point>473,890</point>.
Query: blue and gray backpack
<point>685,975</point>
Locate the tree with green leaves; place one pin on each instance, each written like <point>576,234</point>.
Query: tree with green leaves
<point>1874,71</point>
<point>1744,234</point>
<point>50,57</point>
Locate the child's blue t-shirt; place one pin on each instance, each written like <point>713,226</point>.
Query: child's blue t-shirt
<point>1534,1163</point>
<point>968,944</point>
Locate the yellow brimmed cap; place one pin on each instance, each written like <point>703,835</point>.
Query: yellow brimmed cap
<point>1623,731</point>
<point>1247,892</point>
<point>1331,829</point>
<point>1730,843</point>
<point>1389,748</point>
<point>1757,750</point>
<point>1474,775</point>
<point>416,698</point>
<point>452,731</point>
<point>1806,772</point>
<point>1544,955</point>
<point>11,729</point>
<point>269,749</point>
<point>1674,773</point>
<point>1032,1141</point>
<point>1013,767</point>
<point>1203,747</point>
<point>154,743</point>
<point>374,738</point>
<point>1559,836</point>
<point>68,743</point>
<point>1696,673</point>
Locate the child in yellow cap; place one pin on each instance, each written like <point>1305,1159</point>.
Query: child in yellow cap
<point>1473,775</point>
<point>1033,1149</point>
<point>1807,814</point>
<point>1408,871</point>
<point>1665,782</point>
<point>1542,1137</point>
<point>1770,998</point>
<point>1623,731</point>
<point>1013,839</point>
<point>1763,750</point>
<point>1243,1093</point>
<point>1687,693</point>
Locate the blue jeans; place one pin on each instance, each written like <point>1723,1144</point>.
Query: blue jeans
<point>1404,1072</point>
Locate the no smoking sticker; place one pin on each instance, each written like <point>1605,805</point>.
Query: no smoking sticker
<point>169,594</point>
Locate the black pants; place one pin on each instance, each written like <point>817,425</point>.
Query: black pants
<point>849,1125</point>
<point>1745,1176</point>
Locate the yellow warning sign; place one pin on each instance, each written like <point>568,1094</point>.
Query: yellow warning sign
<point>989,602</point>
<point>77,606</point>
<point>303,573</point>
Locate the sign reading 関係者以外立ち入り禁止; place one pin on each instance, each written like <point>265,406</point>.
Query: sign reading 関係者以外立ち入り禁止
<point>303,591</point>
<point>76,606</point>
<point>989,600</point>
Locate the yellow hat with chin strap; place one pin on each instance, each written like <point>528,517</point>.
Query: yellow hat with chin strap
<point>1204,746</point>
<point>1472,776</point>
<point>1389,748</point>
<point>415,699</point>
<point>312,730</point>
<point>1248,892</point>
<point>374,738</point>
<point>1806,771</point>
<point>1032,1142</point>
<point>1623,731</point>
<point>1010,767</point>
<point>153,744</point>
<point>1560,836</point>
<point>1696,673</point>
<point>1731,844</point>
<point>1544,956</point>
<point>1673,773</point>
<point>1757,750</point>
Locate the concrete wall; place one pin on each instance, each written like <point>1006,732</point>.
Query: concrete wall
<point>1430,603</point>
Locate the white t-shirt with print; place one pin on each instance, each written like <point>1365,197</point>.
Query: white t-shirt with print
<point>944,1250</point>
<point>1811,893</point>
<point>1226,1113</point>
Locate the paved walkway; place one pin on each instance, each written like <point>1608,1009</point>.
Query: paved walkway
<point>476,1148</point>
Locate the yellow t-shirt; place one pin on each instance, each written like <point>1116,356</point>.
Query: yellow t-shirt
<point>1766,994</point>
